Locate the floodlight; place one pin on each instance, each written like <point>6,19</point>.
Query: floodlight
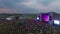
<point>57,22</point>
<point>37,18</point>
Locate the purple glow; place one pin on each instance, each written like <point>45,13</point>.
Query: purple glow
<point>45,17</point>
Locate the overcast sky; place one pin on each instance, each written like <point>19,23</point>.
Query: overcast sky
<point>29,6</point>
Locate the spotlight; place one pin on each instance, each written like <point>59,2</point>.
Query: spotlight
<point>37,18</point>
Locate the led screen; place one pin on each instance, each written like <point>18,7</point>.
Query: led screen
<point>57,22</point>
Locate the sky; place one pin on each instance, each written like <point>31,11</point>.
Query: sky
<point>29,6</point>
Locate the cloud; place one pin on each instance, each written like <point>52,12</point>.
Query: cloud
<point>39,5</point>
<point>7,10</point>
<point>55,6</point>
<point>9,3</point>
<point>4,10</point>
<point>29,6</point>
<point>34,4</point>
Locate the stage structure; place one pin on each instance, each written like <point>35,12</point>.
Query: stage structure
<point>51,18</point>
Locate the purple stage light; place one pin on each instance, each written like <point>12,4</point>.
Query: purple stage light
<point>45,17</point>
